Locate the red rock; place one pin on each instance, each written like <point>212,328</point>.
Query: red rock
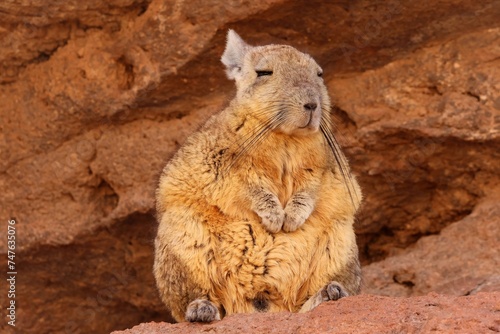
<point>430,108</point>
<point>463,259</point>
<point>96,96</point>
<point>360,314</point>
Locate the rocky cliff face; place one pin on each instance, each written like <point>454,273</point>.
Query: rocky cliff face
<point>97,96</point>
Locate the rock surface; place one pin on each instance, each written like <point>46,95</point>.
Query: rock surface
<point>97,96</point>
<point>463,259</point>
<point>360,314</point>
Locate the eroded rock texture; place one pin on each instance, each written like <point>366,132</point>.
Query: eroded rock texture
<point>96,96</point>
<point>360,314</point>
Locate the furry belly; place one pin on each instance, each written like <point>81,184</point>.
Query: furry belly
<point>258,271</point>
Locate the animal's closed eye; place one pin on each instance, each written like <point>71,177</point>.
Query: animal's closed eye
<point>263,73</point>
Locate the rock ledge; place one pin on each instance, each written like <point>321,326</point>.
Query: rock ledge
<point>360,314</point>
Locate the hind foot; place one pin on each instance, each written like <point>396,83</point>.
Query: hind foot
<point>202,310</point>
<point>331,291</point>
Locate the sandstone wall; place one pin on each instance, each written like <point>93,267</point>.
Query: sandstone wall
<point>96,96</point>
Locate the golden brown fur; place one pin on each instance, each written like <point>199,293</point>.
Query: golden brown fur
<point>256,209</point>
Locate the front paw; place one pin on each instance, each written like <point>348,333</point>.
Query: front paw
<point>296,213</point>
<point>202,310</point>
<point>273,219</point>
<point>293,220</point>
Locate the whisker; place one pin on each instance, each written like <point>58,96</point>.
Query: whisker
<point>335,119</point>
<point>253,138</point>
<point>325,126</point>
<point>256,136</point>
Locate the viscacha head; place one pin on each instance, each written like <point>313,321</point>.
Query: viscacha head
<point>277,84</point>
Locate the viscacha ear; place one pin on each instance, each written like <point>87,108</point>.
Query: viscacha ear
<point>233,55</point>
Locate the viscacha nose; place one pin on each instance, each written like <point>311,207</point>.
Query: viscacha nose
<point>310,106</point>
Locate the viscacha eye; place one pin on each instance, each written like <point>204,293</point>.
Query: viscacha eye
<point>262,73</point>
<point>320,74</point>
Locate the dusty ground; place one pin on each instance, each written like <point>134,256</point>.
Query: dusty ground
<point>96,96</point>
